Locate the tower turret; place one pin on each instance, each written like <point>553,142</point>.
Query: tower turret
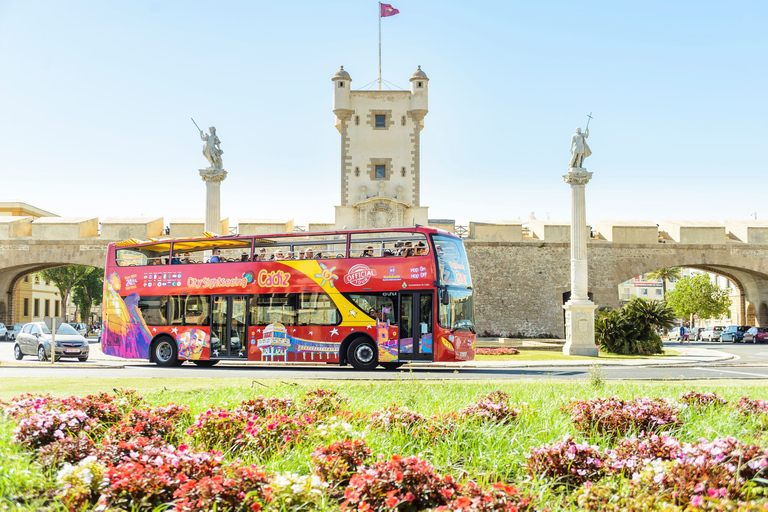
<point>342,95</point>
<point>419,106</point>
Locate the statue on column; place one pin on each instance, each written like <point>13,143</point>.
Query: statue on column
<point>579,148</point>
<point>212,148</point>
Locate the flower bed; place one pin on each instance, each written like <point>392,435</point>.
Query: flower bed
<point>119,452</point>
<point>496,351</point>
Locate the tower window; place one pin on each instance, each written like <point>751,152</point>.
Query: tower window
<point>402,121</point>
<point>381,121</point>
<point>357,171</point>
<point>341,84</point>
<point>381,171</point>
<point>420,84</point>
<point>402,172</point>
<point>357,120</point>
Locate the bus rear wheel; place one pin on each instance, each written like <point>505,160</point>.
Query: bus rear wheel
<point>205,364</point>
<point>165,352</point>
<point>391,366</point>
<point>362,354</point>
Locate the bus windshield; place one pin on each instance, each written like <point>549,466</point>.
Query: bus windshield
<point>452,264</point>
<point>459,313</point>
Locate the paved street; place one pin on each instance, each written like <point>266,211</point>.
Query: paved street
<point>698,361</point>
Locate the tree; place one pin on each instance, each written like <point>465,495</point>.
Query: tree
<point>698,295</point>
<point>665,274</point>
<point>88,292</point>
<point>632,329</point>
<point>65,278</point>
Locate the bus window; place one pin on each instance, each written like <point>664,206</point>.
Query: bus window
<point>381,306</point>
<point>188,310</point>
<point>154,309</point>
<point>270,308</point>
<point>148,255</point>
<point>453,266</point>
<point>317,309</point>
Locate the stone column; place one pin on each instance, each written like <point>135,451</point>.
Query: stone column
<point>213,179</point>
<point>579,311</point>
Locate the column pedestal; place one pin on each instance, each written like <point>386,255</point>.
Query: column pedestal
<point>579,311</point>
<point>213,179</point>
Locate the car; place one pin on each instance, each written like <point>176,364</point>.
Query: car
<point>13,332</point>
<point>712,333</point>
<point>35,339</point>
<point>3,332</point>
<point>81,328</point>
<point>696,333</point>
<point>734,333</point>
<point>674,334</point>
<point>756,335</point>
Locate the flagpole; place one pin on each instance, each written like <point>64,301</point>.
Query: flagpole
<point>379,45</point>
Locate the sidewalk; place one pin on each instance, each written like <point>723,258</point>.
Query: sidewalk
<point>688,356</point>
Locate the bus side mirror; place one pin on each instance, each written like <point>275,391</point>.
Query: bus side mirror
<point>445,299</point>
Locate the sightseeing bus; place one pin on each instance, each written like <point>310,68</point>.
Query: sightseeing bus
<point>366,298</point>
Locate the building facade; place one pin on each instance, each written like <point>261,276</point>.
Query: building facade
<point>380,153</point>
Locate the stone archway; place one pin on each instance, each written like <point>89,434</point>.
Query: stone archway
<point>751,316</point>
<point>762,315</point>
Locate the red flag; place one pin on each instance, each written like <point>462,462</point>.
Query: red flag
<point>388,10</point>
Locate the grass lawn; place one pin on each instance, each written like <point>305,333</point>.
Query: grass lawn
<point>482,451</point>
<point>551,355</point>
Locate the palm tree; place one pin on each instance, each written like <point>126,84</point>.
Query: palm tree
<point>665,274</point>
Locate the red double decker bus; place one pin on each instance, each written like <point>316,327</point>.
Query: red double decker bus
<point>365,298</point>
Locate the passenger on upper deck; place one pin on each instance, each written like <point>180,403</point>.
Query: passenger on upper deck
<point>301,254</point>
<point>368,252</point>
<point>216,258</point>
<point>421,249</point>
<point>186,259</point>
<point>176,260</point>
<point>262,255</point>
<point>309,254</point>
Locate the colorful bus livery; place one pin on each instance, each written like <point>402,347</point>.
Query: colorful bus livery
<point>365,298</point>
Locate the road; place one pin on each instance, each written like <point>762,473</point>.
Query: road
<point>750,362</point>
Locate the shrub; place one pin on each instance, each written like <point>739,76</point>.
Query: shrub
<point>632,329</point>
<point>748,407</point>
<point>492,407</point>
<point>402,483</point>
<point>395,418</point>
<point>500,497</point>
<point>81,484</point>
<point>634,453</point>
<point>496,351</point>
<point>615,497</point>
<point>567,462</point>
<point>29,404</point>
<point>275,433</point>
<point>324,401</point>
<point>696,399</point>
<point>262,406</point>
<point>50,425</point>
<point>680,480</point>
<point>617,416</point>
<point>337,462</point>
<point>289,491</point>
<point>69,450</point>
<point>219,428</point>
<point>231,487</point>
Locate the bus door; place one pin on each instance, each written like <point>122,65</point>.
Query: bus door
<point>416,326</point>
<point>228,326</point>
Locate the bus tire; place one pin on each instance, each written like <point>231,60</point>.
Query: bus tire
<point>362,354</point>
<point>205,364</point>
<point>165,352</point>
<point>391,366</point>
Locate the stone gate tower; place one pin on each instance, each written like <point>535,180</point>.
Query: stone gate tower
<point>380,153</point>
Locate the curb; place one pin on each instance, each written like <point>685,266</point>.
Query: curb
<point>81,366</point>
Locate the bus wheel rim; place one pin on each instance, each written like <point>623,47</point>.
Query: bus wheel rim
<point>164,351</point>
<point>364,353</point>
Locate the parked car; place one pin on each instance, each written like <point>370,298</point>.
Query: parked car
<point>35,339</point>
<point>3,332</point>
<point>81,328</point>
<point>756,335</point>
<point>712,333</point>
<point>696,333</point>
<point>13,332</point>
<point>734,333</point>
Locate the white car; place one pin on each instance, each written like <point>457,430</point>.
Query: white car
<point>14,331</point>
<point>3,332</point>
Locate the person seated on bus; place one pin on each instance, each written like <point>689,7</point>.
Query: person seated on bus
<point>289,255</point>
<point>399,250</point>
<point>309,254</point>
<point>367,253</point>
<point>216,258</point>
<point>301,254</point>
<point>372,313</point>
<point>244,257</point>
<point>279,255</point>
<point>186,258</point>
<point>421,249</point>
<point>155,261</point>
<point>319,256</point>
<point>262,255</point>
<point>408,249</point>
<point>176,260</point>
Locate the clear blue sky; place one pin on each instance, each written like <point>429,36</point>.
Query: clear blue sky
<point>95,101</point>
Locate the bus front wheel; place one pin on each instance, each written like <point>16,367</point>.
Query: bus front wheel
<point>363,354</point>
<point>165,352</point>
